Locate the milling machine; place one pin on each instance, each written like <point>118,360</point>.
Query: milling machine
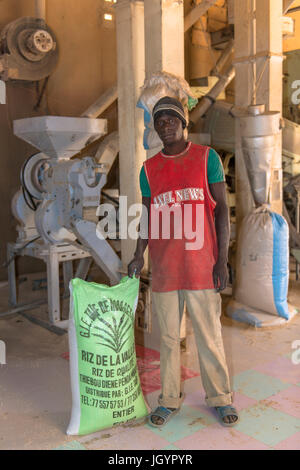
<point>56,205</point>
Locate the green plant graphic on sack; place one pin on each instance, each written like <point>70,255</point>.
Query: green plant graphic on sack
<point>113,336</point>
<point>105,384</point>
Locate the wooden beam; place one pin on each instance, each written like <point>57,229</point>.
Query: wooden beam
<point>286,5</point>
<point>197,12</point>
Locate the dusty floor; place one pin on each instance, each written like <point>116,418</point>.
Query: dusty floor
<point>35,395</point>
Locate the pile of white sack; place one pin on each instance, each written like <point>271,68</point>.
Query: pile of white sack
<point>262,268</point>
<point>158,85</point>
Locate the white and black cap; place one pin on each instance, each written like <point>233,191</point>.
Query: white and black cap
<point>171,106</point>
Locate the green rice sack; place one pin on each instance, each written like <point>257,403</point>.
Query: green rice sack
<point>105,384</point>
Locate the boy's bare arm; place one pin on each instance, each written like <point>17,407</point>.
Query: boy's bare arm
<point>220,272</point>
<point>136,265</point>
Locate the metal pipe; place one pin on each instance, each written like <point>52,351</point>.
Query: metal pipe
<point>23,307</point>
<point>40,9</point>
<point>293,10</point>
<point>229,108</point>
<point>253,49</point>
<point>108,151</point>
<point>209,99</point>
<point>102,103</point>
<point>223,58</point>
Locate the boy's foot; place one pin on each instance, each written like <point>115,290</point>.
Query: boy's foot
<point>228,415</point>
<point>161,416</point>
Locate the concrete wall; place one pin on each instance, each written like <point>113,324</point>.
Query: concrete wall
<point>86,68</point>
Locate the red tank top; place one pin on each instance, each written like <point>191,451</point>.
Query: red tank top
<point>182,236</point>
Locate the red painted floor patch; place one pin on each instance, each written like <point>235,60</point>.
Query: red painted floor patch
<point>149,371</point>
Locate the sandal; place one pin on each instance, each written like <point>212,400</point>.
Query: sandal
<point>228,410</point>
<point>163,413</point>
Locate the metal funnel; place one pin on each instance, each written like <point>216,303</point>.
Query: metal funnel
<point>260,132</point>
<point>60,137</point>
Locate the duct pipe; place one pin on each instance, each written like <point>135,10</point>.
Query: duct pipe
<point>229,108</point>
<point>210,98</point>
<point>40,9</point>
<point>293,10</point>
<point>223,58</point>
<point>102,103</point>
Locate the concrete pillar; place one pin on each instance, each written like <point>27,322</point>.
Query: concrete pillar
<point>258,64</point>
<point>164,36</point>
<point>131,75</point>
<point>269,74</point>
<point>164,40</point>
<point>243,49</point>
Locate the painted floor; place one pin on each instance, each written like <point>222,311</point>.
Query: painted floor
<point>35,395</point>
<point>267,397</point>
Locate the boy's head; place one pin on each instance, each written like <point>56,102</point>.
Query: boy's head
<point>168,105</point>
<point>169,120</point>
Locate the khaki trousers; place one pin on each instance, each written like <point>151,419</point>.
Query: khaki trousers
<point>204,308</point>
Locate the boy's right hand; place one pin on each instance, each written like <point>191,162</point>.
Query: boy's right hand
<point>135,266</point>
